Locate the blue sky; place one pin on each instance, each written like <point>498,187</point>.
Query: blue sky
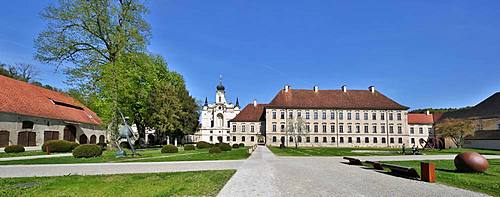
<point>420,53</point>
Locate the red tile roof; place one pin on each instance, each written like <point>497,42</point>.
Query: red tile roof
<point>251,114</point>
<point>420,118</point>
<point>19,97</point>
<point>337,99</point>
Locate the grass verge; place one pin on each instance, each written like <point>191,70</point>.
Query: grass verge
<point>488,182</point>
<point>200,183</point>
<point>27,153</point>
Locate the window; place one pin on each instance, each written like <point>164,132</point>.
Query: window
<point>374,116</point>
<point>400,140</point>
<point>383,140</point>
<point>349,140</point>
<point>358,140</point>
<point>398,116</point>
<point>357,116</point>
<point>291,139</point>
<point>299,114</point>
<point>315,127</point>
<point>252,139</point>
<point>374,128</point>
<point>323,115</point>
<point>366,128</point>
<point>391,129</point>
<point>308,127</point>
<point>299,139</point>
<point>290,115</point>
<point>234,128</point>
<point>421,130</point>
<point>341,115</point>
<point>391,140</point>
<point>324,127</point>
<point>374,140</point>
<point>27,125</point>
<point>357,129</point>
<point>242,138</point>
<point>367,140</point>
<point>365,116</point>
<point>382,116</point>
<point>282,127</point>
<point>274,127</point>
<point>333,139</point>
<point>349,129</point>
<point>332,128</point>
<point>498,126</point>
<point>341,128</point>
<point>211,138</point>
<point>391,116</point>
<point>382,129</point>
<point>429,130</point>
<point>282,115</point>
<point>349,116</point>
<point>332,116</point>
<point>400,129</point>
<point>211,131</point>
<point>324,140</point>
<point>274,114</point>
<point>308,139</point>
<point>307,115</point>
<point>282,139</point>
<point>234,138</point>
<point>341,139</point>
<point>412,140</point>
<point>315,115</point>
<point>242,128</point>
<point>274,138</point>
<point>252,128</point>
<point>412,130</point>
<point>227,138</point>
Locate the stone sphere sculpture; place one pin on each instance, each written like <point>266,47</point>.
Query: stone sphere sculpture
<point>471,162</point>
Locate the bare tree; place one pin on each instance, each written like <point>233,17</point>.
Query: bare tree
<point>456,130</point>
<point>23,71</point>
<point>296,129</point>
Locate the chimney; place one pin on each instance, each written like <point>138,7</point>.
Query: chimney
<point>255,102</point>
<point>427,112</point>
<point>372,89</point>
<point>287,87</point>
<point>315,88</point>
<point>344,88</point>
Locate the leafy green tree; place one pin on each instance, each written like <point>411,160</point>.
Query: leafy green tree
<point>456,130</point>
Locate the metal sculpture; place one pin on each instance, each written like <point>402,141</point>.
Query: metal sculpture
<point>432,143</point>
<point>471,162</point>
<point>125,132</point>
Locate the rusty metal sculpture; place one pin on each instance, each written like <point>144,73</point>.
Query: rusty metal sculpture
<point>471,162</point>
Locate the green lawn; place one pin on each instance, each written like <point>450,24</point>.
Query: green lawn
<point>488,182</point>
<point>330,151</point>
<point>27,153</point>
<point>201,183</point>
<point>147,155</point>
<point>334,151</point>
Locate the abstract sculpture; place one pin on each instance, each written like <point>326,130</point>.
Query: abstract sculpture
<point>471,162</point>
<point>125,132</point>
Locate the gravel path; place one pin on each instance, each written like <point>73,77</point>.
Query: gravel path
<point>114,168</point>
<point>266,175</point>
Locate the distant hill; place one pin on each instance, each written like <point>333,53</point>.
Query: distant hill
<point>437,110</point>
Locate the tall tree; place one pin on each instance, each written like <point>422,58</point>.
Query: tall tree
<point>456,130</point>
<point>296,130</point>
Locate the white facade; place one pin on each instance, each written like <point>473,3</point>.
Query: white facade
<point>215,118</point>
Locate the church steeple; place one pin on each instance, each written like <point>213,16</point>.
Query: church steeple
<point>237,103</point>
<point>220,87</point>
<point>206,102</point>
<point>220,97</point>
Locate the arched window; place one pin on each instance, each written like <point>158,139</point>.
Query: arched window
<point>220,120</point>
<point>93,139</point>
<point>102,139</point>
<point>83,139</point>
<point>242,138</point>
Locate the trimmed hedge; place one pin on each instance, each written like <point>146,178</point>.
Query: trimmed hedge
<point>236,146</point>
<point>214,150</point>
<point>14,149</point>
<point>203,144</point>
<point>59,146</point>
<point>169,148</point>
<point>242,145</point>
<point>87,151</point>
<point>189,147</point>
<point>225,147</point>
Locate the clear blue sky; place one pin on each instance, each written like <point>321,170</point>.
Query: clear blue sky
<point>420,53</point>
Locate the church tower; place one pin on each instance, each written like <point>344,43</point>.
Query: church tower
<point>220,95</point>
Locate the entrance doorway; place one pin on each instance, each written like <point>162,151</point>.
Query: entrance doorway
<point>69,133</point>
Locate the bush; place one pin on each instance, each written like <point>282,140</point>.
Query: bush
<point>59,146</point>
<point>125,145</point>
<point>203,144</point>
<point>87,151</point>
<point>169,148</point>
<point>242,145</point>
<point>236,146</point>
<point>225,147</point>
<point>217,144</point>
<point>189,147</point>
<point>14,149</point>
<point>103,145</point>
<point>214,150</point>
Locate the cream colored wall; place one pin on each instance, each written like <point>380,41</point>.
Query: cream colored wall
<point>417,135</point>
<point>345,122</point>
<point>13,124</point>
<point>237,132</point>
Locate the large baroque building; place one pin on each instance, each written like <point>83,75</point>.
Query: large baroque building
<point>331,118</point>
<point>31,115</point>
<point>215,117</point>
